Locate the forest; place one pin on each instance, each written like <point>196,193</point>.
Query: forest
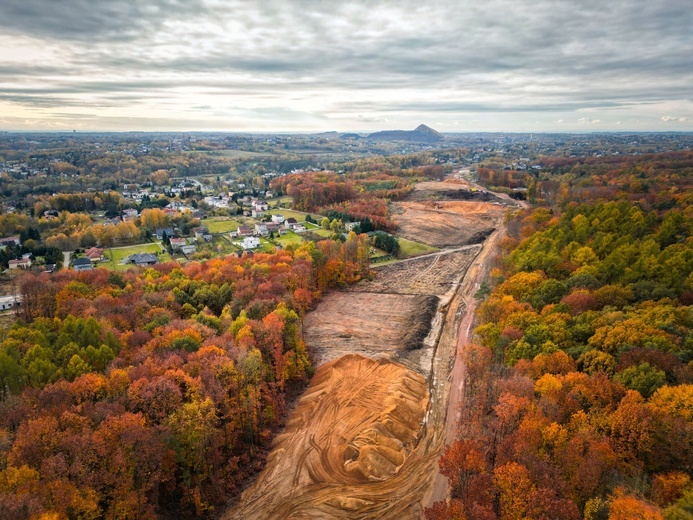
<point>579,392</point>
<point>357,195</point>
<point>156,392</point>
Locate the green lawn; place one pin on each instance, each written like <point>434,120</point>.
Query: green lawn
<point>282,201</point>
<point>221,224</point>
<point>300,216</point>
<point>289,238</point>
<point>409,248</point>
<point>116,255</point>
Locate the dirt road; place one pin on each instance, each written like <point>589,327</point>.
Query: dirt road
<point>476,274</point>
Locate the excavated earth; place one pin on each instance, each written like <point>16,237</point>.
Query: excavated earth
<point>364,439</point>
<point>446,223</point>
<point>346,443</point>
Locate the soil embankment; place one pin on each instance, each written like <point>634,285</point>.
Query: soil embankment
<point>365,438</point>
<point>346,443</point>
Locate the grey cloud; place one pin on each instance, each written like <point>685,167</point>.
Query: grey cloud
<point>491,57</point>
<point>92,19</point>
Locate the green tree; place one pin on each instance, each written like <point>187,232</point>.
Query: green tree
<point>644,378</point>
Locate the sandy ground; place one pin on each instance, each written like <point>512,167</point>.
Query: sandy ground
<point>373,325</point>
<point>446,223</point>
<point>346,445</point>
<point>365,438</point>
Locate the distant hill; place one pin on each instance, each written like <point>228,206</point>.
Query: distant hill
<point>421,134</point>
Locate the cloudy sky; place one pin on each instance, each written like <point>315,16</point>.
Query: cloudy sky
<point>296,65</point>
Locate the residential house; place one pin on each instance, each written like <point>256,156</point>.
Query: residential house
<point>160,233</point>
<point>10,241</point>
<point>250,243</point>
<point>350,226</point>
<point>94,254</point>
<point>273,226</point>
<point>202,233</point>
<point>142,259</point>
<point>290,222</point>
<point>188,250</point>
<point>279,219</point>
<point>244,231</point>
<point>261,229</point>
<point>299,228</point>
<point>177,243</point>
<point>260,205</point>
<point>82,264</point>
<point>256,213</point>
<point>22,263</point>
<point>130,213</point>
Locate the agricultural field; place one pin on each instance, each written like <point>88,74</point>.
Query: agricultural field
<point>116,255</point>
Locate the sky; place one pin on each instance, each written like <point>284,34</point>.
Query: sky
<point>319,65</point>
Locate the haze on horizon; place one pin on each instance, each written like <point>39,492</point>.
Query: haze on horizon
<point>526,65</point>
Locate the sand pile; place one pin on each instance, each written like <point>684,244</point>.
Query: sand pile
<point>351,433</point>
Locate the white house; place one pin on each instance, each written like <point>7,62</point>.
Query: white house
<point>261,229</point>
<point>8,302</point>
<point>277,219</point>
<point>349,226</point>
<point>24,263</point>
<point>177,243</point>
<point>260,205</point>
<point>250,243</point>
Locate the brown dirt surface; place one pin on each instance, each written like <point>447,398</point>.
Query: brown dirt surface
<point>348,450</point>
<point>373,325</point>
<point>431,274</point>
<point>451,189</point>
<point>448,184</point>
<point>446,223</point>
<point>364,440</point>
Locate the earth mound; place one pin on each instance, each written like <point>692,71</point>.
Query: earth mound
<point>344,445</point>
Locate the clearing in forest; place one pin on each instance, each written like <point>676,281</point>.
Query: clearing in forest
<point>446,223</point>
<point>349,446</point>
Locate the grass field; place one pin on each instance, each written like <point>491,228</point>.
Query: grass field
<point>289,238</point>
<point>221,224</point>
<point>320,231</point>
<point>298,215</point>
<point>409,248</point>
<point>116,255</point>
